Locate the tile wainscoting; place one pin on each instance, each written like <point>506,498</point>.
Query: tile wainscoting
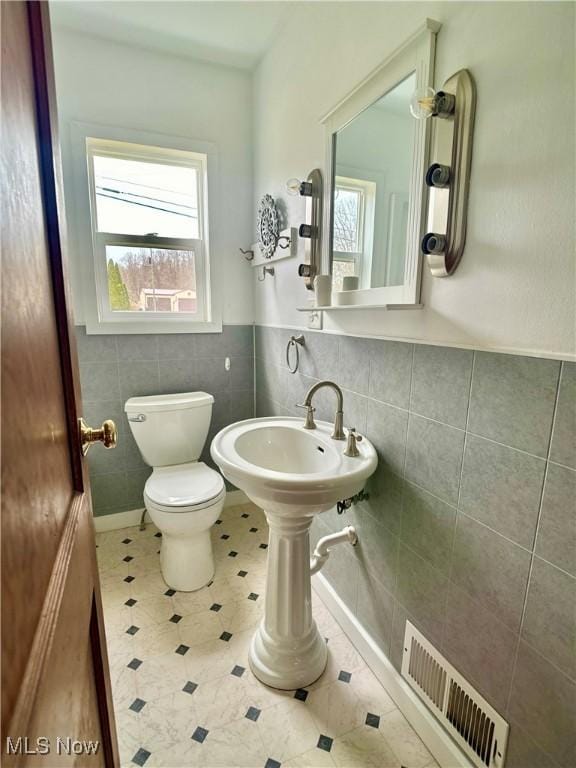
<point>470,529</point>
<point>116,367</point>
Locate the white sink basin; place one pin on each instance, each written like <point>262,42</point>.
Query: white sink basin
<point>292,473</point>
<point>277,462</point>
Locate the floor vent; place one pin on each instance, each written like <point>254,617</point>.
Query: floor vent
<point>475,726</point>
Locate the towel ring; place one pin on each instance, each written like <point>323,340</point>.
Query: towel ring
<point>296,342</point>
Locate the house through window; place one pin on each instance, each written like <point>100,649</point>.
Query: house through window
<point>149,219</point>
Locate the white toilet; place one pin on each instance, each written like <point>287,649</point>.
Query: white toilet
<point>183,496</point>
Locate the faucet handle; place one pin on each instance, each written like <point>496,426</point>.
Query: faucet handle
<point>309,423</point>
<point>351,447</point>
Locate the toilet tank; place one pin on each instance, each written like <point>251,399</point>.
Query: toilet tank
<point>170,429</point>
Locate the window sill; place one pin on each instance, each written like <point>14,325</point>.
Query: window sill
<point>152,326</point>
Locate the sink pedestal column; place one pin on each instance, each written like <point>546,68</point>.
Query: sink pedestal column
<point>287,651</point>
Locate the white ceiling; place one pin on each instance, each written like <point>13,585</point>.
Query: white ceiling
<point>236,34</point>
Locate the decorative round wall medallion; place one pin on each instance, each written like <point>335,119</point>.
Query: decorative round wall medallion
<point>268,226</point>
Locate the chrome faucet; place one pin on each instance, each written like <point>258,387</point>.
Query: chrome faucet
<point>338,433</point>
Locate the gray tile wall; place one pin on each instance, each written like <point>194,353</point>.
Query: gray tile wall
<point>470,531</point>
<point>116,367</point>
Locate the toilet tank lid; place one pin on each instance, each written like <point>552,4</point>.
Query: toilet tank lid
<point>177,402</point>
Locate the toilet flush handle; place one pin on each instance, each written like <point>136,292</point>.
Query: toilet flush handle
<point>137,417</point>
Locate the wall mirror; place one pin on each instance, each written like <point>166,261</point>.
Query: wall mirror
<point>377,156</point>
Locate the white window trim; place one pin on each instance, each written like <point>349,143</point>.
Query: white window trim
<point>99,319</point>
<point>362,258</point>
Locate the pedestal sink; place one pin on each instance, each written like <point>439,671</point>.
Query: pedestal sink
<point>292,474</point>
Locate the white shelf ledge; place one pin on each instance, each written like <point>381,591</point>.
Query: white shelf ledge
<point>339,307</point>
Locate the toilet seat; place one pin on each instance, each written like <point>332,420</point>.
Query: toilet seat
<point>184,488</point>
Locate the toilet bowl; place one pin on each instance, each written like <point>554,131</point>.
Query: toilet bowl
<point>183,496</point>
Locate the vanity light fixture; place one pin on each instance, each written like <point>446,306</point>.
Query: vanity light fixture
<point>311,231</point>
<point>448,178</point>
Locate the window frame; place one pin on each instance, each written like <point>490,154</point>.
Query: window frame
<point>89,140</point>
<point>368,190</point>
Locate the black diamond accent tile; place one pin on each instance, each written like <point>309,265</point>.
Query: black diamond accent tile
<point>253,530</point>
<point>215,607</point>
<point>263,546</point>
<point>127,559</point>
<point>271,763</point>
<point>344,677</point>
<point>190,687</point>
<point>175,619</point>
<point>373,720</point>
<point>126,541</point>
<point>224,536</point>
<point>141,756</point>
<point>218,522</point>
<point>245,515</point>
<point>225,636</point>
<point>238,671</point>
<point>242,573</point>
<point>232,554</point>
<point>128,579</point>
<point>301,694</point>
<point>132,630</point>
<point>182,649</point>
<point>130,602</point>
<point>200,734</point>
<point>252,596</point>
<point>170,592</point>
<point>137,705</point>
<point>158,535</point>
<point>253,713</point>
<point>134,664</point>
<point>325,743</point>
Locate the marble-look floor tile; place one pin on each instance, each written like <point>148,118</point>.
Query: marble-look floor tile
<point>197,628</point>
<point>298,733</point>
<point>336,708</point>
<point>341,655</point>
<point>314,758</point>
<point>404,741</point>
<point>237,744</point>
<point>221,701</point>
<point>371,694</point>
<point>364,747</point>
<point>173,675</point>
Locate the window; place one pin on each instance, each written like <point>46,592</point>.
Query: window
<point>353,229</point>
<point>149,222</point>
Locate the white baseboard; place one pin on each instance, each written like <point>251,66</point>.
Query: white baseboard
<point>444,749</point>
<point>132,516</point>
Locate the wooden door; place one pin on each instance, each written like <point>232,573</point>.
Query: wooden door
<point>55,680</point>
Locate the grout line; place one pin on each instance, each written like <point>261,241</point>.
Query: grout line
<point>531,567</point>
<point>458,506</point>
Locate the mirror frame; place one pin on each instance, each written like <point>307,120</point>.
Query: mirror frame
<point>416,55</point>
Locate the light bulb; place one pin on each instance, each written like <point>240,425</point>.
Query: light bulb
<point>423,102</point>
<point>426,102</point>
<point>293,186</point>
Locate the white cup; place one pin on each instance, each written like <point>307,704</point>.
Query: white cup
<point>350,283</point>
<point>323,290</point>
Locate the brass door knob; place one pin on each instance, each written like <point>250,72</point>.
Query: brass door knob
<point>107,434</point>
